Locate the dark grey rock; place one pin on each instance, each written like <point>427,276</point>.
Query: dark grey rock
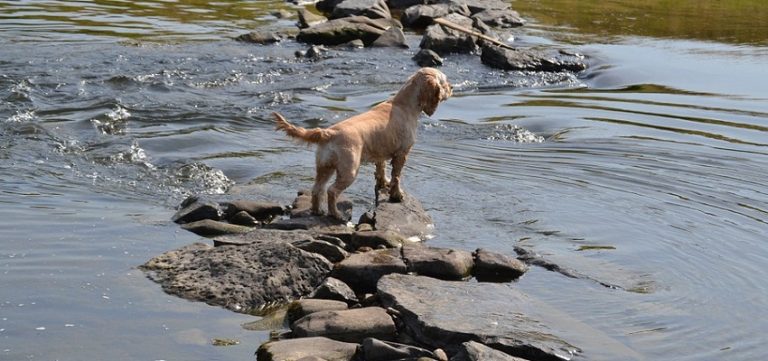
<point>442,263</point>
<point>506,18</point>
<point>446,314</point>
<point>361,271</point>
<point>376,239</point>
<point>406,217</point>
<point>373,9</point>
<point>243,218</point>
<point>259,37</point>
<point>295,349</point>
<point>211,228</point>
<point>393,37</point>
<point>262,211</point>
<point>194,209</point>
<point>340,31</point>
<point>475,351</point>
<point>476,6</point>
<point>240,278</point>
<point>496,267</point>
<point>351,325</point>
<point>257,235</point>
<point>404,4</point>
<point>377,350</point>
<point>426,57</point>
<point>301,308</point>
<point>327,6</point>
<point>335,289</point>
<point>330,251</point>
<point>421,16</point>
<point>445,40</point>
<point>530,60</point>
<point>308,19</point>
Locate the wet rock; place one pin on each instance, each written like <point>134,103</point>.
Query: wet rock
<point>330,251</point>
<point>442,263</point>
<point>446,314</point>
<point>496,267</point>
<point>352,325</point>
<point>242,218</point>
<point>194,209</point>
<point>262,211</point>
<point>475,351</point>
<point>361,271</point>
<point>257,235</point>
<point>376,239</point>
<point>407,217</point>
<point>259,37</point>
<point>426,57</point>
<point>335,289</point>
<point>393,37</point>
<point>241,278</point>
<point>373,9</point>
<point>302,205</point>
<point>211,228</point>
<point>444,40</point>
<point>294,349</point>
<point>377,350</point>
<point>340,31</point>
<point>506,18</point>
<point>301,308</point>
<point>421,16</point>
<point>327,6</point>
<point>308,19</point>
<point>476,6</point>
<point>529,60</point>
<point>404,4</point>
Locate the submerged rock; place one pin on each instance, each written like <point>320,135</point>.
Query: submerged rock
<point>529,60</point>
<point>259,37</point>
<point>241,278</point>
<point>211,228</point>
<point>426,57</point>
<point>194,209</point>
<point>352,325</point>
<point>321,348</point>
<point>491,266</point>
<point>377,350</point>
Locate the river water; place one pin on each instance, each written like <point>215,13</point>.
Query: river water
<point>645,175</point>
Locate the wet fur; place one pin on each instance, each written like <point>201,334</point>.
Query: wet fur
<point>385,133</point>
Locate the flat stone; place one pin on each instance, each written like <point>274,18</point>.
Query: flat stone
<point>373,9</point>
<point>445,314</point>
<point>442,263</point>
<point>426,57</point>
<point>393,37</point>
<point>308,19</point>
<point>335,289</point>
<point>320,224</point>
<point>476,6</point>
<point>407,217</point>
<point>506,18</point>
<point>240,278</point>
<point>301,308</point>
<point>445,40</point>
<point>529,60</point>
<point>330,251</point>
<point>194,210</point>
<point>491,266</point>
<point>211,228</point>
<point>262,211</point>
<point>376,239</point>
<point>259,37</point>
<point>377,350</point>
<point>421,16</point>
<point>340,31</point>
<point>294,349</point>
<point>257,235</point>
<point>361,271</point>
<point>475,351</point>
<point>352,325</point>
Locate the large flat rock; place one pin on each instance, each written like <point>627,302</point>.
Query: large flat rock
<point>407,217</point>
<point>243,278</point>
<point>446,314</point>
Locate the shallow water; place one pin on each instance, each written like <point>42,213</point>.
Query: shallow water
<point>649,178</point>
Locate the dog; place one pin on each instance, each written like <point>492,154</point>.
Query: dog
<point>386,132</point>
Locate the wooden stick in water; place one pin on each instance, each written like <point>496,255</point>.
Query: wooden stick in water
<point>458,27</point>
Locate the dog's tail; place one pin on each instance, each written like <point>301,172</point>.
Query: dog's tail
<point>316,135</point>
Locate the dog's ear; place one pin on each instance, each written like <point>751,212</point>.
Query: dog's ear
<point>429,95</point>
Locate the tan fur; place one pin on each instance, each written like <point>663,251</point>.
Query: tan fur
<point>386,132</point>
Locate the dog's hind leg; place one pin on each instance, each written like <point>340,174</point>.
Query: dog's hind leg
<point>324,174</point>
<point>382,183</point>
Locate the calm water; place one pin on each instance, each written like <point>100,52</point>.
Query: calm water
<point>650,176</point>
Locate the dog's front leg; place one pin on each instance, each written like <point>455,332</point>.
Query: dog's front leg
<point>395,192</point>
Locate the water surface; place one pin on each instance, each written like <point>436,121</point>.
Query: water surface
<point>645,173</point>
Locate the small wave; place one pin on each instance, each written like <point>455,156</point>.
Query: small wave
<point>512,132</point>
<point>203,176</point>
<point>22,116</point>
<point>114,122</point>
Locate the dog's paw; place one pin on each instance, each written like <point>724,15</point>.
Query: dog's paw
<point>396,196</point>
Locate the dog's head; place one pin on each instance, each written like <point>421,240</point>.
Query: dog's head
<point>434,88</point>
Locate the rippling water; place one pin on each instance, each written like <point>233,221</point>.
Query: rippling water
<point>645,174</point>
